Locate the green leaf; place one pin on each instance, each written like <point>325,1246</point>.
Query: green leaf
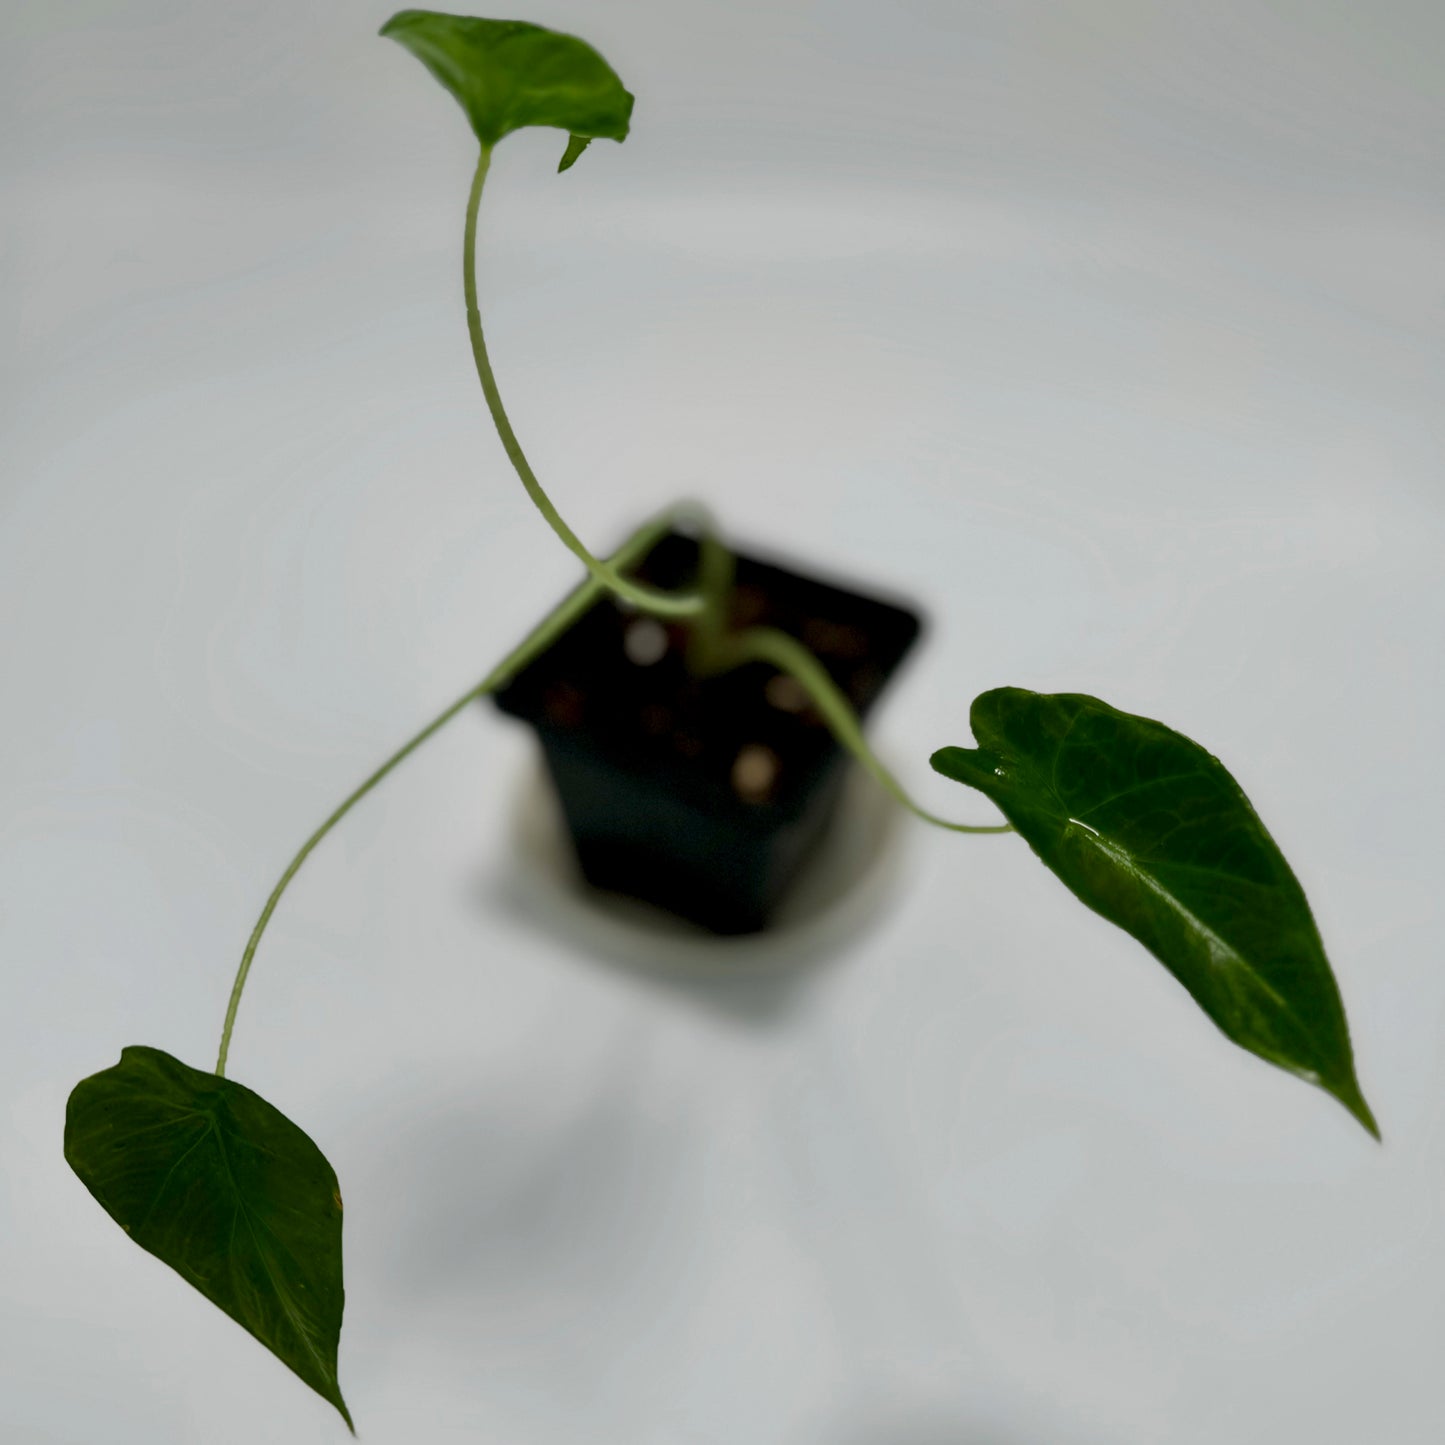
<point>508,74</point>
<point>1148,829</point>
<point>224,1188</point>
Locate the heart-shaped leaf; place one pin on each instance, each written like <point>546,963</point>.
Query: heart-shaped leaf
<point>208,1177</point>
<point>1148,829</point>
<point>508,74</point>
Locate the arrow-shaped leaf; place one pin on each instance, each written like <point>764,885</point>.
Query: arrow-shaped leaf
<point>208,1177</point>
<point>507,74</point>
<point>1148,829</point>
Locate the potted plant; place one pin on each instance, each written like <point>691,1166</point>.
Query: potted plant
<point>1143,825</point>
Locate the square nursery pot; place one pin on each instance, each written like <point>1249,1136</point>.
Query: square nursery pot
<point>702,796</point>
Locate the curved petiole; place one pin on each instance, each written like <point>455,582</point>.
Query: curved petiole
<point>537,641</point>
<point>783,651</point>
<point>659,604</point>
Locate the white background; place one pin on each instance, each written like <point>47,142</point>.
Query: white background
<point>1111,331</point>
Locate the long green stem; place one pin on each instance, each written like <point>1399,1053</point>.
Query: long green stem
<point>714,650</point>
<point>710,648</point>
<point>659,604</point>
<point>536,641</point>
<point>767,644</point>
<point>294,867</point>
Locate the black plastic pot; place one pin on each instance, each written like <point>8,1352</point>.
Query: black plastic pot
<point>702,796</point>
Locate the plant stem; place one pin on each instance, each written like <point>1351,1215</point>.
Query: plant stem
<point>659,604</point>
<point>536,641</point>
<point>710,649</point>
<point>238,987</point>
<point>768,644</point>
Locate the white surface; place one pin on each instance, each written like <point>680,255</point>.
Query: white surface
<point>1112,332</point>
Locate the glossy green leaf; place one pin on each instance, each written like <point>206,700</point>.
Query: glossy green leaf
<point>1148,829</point>
<point>207,1176</point>
<point>507,74</point>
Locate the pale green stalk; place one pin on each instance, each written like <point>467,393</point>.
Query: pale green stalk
<point>536,641</point>
<point>659,604</point>
<point>767,644</point>
<point>709,647</point>
<point>712,648</point>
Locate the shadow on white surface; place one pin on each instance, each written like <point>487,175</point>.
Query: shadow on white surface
<point>503,1211</point>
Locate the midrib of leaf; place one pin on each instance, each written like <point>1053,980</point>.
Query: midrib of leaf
<point>1217,944</point>
<point>1128,862</point>
<point>297,1323</point>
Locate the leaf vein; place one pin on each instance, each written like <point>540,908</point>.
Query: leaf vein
<point>1217,943</point>
<point>298,1322</point>
<point>1136,788</point>
<point>170,1173</point>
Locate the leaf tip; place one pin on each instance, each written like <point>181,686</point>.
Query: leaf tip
<point>576,144</point>
<point>392,25</point>
<point>973,767</point>
<point>944,760</point>
<point>1350,1095</point>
